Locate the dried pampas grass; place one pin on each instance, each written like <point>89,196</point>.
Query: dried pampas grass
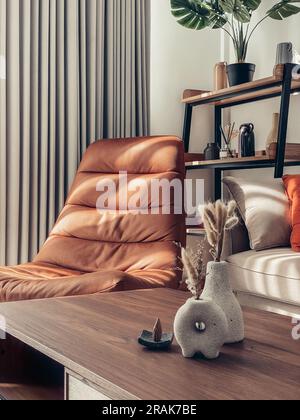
<point>194,270</point>
<point>218,218</point>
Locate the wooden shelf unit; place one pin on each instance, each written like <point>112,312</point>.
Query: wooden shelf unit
<point>238,163</point>
<point>257,90</point>
<point>282,84</point>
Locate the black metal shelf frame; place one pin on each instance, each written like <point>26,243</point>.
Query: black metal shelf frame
<point>285,94</point>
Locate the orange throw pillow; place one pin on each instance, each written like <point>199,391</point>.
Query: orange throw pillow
<point>292,185</point>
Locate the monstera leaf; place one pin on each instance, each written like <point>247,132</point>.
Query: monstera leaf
<point>191,14</point>
<point>227,5</point>
<point>241,13</point>
<point>237,8</point>
<point>217,21</point>
<point>284,9</point>
<point>252,4</point>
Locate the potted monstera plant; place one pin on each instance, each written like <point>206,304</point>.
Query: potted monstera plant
<point>237,19</point>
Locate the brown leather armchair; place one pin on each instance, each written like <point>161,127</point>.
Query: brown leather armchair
<point>91,251</point>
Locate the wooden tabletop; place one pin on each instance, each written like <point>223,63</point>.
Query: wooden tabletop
<point>96,337</point>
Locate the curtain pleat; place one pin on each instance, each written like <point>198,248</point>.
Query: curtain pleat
<point>3,147</point>
<point>33,206</point>
<point>13,130</point>
<point>25,50</point>
<point>76,72</point>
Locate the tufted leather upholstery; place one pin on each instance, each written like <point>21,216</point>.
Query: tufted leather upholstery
<point>92,252</point>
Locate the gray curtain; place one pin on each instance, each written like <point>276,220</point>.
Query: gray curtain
<point>76,71</point>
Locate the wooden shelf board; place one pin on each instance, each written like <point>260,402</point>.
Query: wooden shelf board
<point>195,232</point>
<point>256,95</point>
<point>238,162</point>
<point>229,161</point>
<point>267,82</point>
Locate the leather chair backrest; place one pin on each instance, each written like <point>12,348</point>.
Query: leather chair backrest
<point>89,239</point>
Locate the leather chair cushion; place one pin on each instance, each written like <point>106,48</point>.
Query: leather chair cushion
<point>95,250</point>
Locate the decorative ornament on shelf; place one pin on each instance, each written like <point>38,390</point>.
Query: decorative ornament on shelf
<point>273,136</point>
<point>156,339</point>
<point>212,152</point>
<point>211,317</point>
<point>229,134</point>
<point>234,18</point>
<point>285,53</point>
<point>220,76</point>
<point>247,141</point>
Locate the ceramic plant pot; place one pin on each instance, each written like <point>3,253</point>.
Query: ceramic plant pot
<point>201,327</point>
<point>240,73</point>
<point>218,289</point>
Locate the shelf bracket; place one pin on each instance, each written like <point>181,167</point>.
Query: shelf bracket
<point>187,126</point>
<point>218,184</point>
<point>284,119</point>
<point>218,124</point>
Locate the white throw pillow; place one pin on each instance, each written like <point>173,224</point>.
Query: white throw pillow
<point>265,209</point>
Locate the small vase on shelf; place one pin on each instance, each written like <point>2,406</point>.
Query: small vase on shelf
<point>220,76</point>
<point>212,152</point>
<point>247,141</point>
<point>273,136</point>
<point>225,153</point>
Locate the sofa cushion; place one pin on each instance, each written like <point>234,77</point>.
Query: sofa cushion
<point>292,185</point>
<point>264,207</point>
<point>272,274</point>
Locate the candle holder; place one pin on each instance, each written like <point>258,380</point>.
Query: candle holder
<point>156,339</point>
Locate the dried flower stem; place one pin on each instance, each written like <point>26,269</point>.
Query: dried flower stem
<point>218,218</point>
<point>194,267</point>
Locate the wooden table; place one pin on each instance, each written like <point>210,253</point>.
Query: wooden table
<point>90,343</point>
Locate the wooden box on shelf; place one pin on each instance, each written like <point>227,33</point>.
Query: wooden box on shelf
<point>292,151</point>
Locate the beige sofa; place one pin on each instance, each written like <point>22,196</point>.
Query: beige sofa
<point>268,280</point>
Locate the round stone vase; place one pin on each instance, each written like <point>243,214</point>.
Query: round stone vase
<point>201,327</point>
<point>218,289</point>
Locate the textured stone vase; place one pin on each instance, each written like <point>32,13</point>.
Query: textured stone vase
<point>201,327</point>
<point>218,289</point>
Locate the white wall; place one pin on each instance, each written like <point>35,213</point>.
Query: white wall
<point>180,59</point>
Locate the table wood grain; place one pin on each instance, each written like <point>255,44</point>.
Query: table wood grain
<point>96,337</point>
